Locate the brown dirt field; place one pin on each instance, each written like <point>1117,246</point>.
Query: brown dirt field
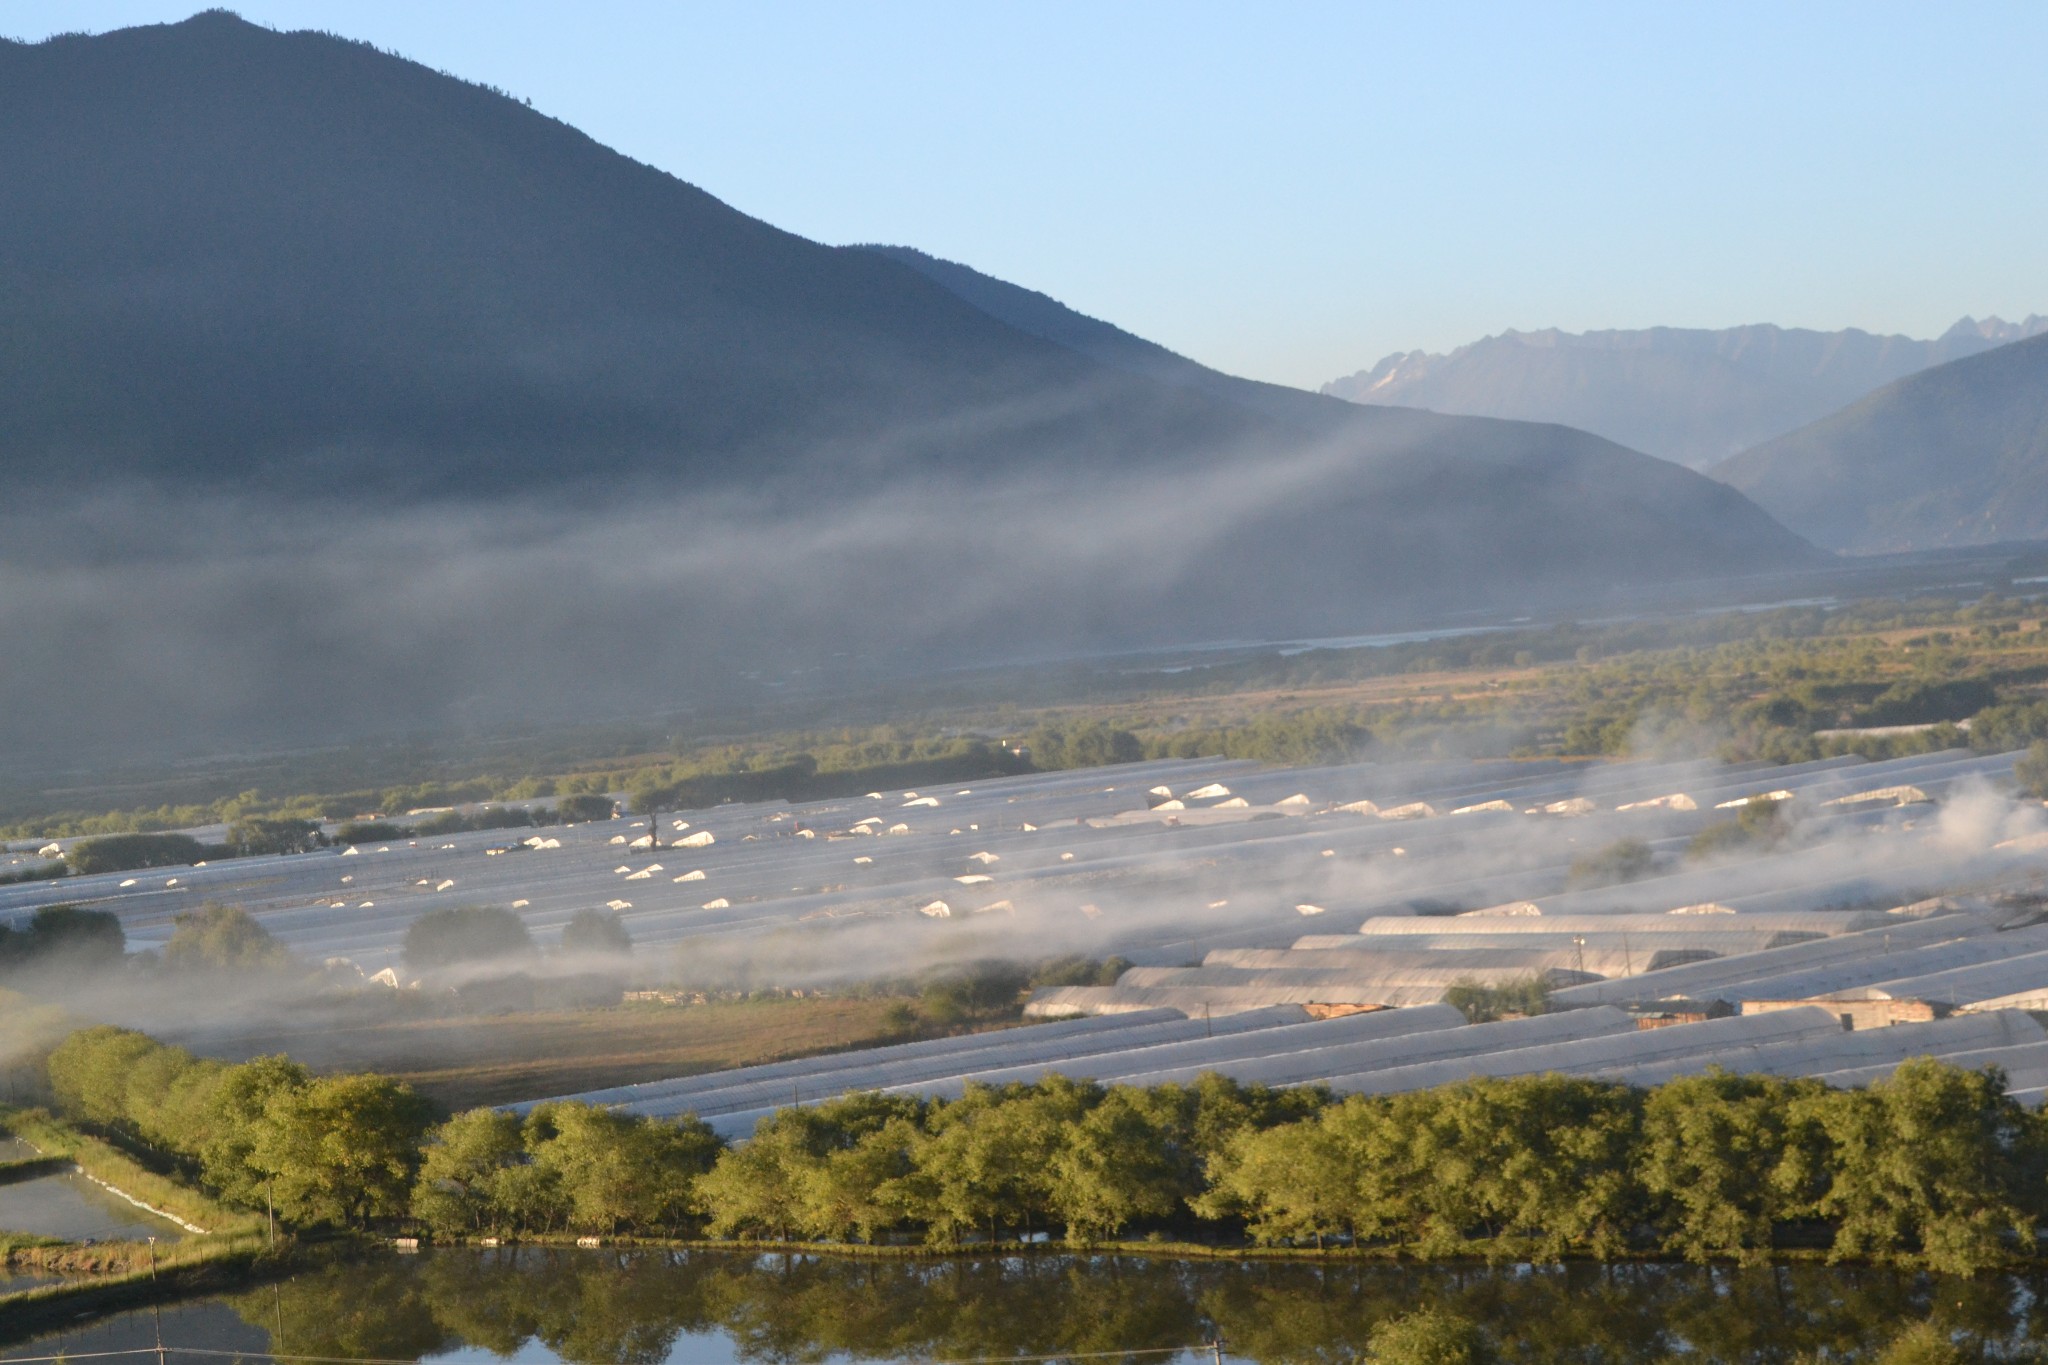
<point>495,1059</point>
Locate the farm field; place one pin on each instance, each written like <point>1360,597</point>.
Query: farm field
<point>467,1061</point>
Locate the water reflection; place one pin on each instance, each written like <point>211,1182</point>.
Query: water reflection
<point>654,1307</point>
<point>74,1209</point>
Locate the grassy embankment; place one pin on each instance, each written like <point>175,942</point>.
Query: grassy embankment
<point>107,1277</point>
<point>175,1277</point>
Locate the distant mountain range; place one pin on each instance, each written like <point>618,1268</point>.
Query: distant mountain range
<point>1955,455</point>
<point>338,387</point>
<point>1692,396</point>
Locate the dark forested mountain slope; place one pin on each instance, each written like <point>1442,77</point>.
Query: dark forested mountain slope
<point>1044,316</point>
<point>1689,395</point>
<point>1956,455</point>
<point>230,253</point>
<point>255,259</point>
<point>333,385</point>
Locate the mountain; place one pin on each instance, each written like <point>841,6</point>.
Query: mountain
<point>1955,455</point>
<point>337,387</point>
<point>293,261</point>
<point>1693,396</point>
<point>1043,316</point>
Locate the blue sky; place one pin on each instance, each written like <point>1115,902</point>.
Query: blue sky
<point>1290,191</point>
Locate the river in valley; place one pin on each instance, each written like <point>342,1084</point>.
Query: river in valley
<point>717,1307</point>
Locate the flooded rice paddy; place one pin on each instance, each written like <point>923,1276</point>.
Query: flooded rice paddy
<point>74,1209</point>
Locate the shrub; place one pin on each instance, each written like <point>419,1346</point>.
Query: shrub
<point>596,931</point>
<point>251,837</point>
<point>977,989</point>
<point>130,852</point>
<point>64,936</point>
<point>459,934</point>
<point>224,938</point>
<point>1075,970</point>
<point>1625,860</point>
<point>370,832</point>
<point>2032,770</point>
<point>579,809</point>
<point>1483,1004</point>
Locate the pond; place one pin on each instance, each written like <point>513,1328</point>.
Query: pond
<point>75,1209</point>
<point>700,1307</point>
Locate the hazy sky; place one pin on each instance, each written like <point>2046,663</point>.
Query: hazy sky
<point>1292,191</point>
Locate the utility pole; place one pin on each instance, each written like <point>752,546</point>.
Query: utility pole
<point>1216,1349</point>
<point>156,1307</point>
<point>270,1207</point>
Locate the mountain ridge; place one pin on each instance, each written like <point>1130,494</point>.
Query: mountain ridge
<point>1953,455</point>
<point>1691,395</point>
<point>1043,316</point>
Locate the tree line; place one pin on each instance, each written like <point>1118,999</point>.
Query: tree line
<point>1936,1167</point>
<point>253,836</point>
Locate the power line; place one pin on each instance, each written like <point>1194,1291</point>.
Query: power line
<point>378,1360</point>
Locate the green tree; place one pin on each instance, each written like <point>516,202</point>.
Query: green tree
<point>803,1171</point>
<point>133,852</point>
<point>585,807</point>
<point>224,938</point>
<point>978,989</point>
<point>1296,1182</point>
<point>1482,1003</point>
<point>1092,744</point>
<point>1729,1158</point>
<point>66,938</point>
<point>1074,970</point>
<point>598,933</point>
<point>370,832</point>
<point>164,1088</point>
<point>462,1186</point>
<point>89,1071</point>
<point>1125,1160</point>
<point>251,836</point>
<point>988,1157</point>
<point>1548,1158</point>
<point>852,1192</point>
<point>236,1114</point>
<point>756,1189</point>
<point>1758,824</point>
<point>1926,1168</point>
<point>458,934</point>
<point>342,1149</point>
<point>618,1170</point>
<point>1625,860</point>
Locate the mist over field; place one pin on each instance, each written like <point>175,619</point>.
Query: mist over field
<point>161,621</point>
